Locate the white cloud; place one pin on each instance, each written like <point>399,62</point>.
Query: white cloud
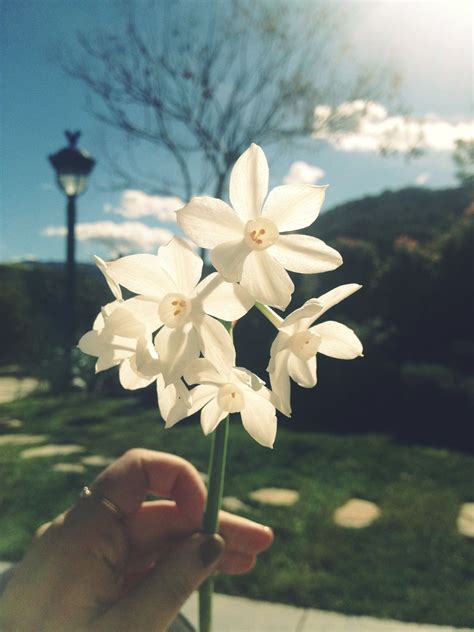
<point>135,204</point>
<point>123,238</point>
<point>28,258</point>
<point>422,179</point>
<point>302,173</point>
<point>367,126</point>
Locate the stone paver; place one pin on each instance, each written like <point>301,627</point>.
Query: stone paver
<point>232,503</point>
<point>12,388</point>
<point>76,468</point>
<point>97,460</point>
<point>465,521</point>
<point>275,496</point>
<point>356,514</point>
<point>51,450</point>
<point>11,423</point>
<point>21,439</point>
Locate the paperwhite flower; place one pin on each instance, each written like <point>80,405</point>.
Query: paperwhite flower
<point>114,339</point>
<point>246,240</point>
<point>181,308</point>
<point>235,390</point>
<point>293,352</point>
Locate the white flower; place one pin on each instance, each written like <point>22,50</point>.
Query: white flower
<point>114,339</point>
<point>246,241</point>
<point>235,390</point>
<point>119,337</point>
<point>293,352</point>
<point>181,308</point>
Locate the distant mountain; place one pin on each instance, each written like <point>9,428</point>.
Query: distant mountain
<point>416,212</point>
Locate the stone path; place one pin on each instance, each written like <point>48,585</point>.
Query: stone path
<point>235,614</point>
<point>12,388</point>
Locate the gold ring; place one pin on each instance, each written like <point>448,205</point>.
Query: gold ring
<point>105,502</point>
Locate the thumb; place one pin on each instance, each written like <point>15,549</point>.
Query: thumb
<point>157,600</point>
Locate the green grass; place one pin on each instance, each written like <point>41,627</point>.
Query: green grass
<point>411,564</point>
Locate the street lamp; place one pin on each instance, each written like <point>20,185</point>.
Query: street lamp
<point>73,167</point>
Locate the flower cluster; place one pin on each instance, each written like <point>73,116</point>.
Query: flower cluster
<point>171,332</point>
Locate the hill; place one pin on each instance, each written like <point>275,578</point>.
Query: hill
<point>419,213</point>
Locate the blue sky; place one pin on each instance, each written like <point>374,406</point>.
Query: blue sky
<point>430,43</point>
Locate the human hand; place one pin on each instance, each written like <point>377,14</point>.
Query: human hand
<point>88,570</point>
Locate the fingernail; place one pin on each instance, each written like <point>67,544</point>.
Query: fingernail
<point>211,549</point>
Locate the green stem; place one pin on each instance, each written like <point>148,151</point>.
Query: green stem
<point>211,514</point>
<point>210,524</point>
<point>269,314</point>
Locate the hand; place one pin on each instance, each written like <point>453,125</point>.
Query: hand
<point>88,570</point>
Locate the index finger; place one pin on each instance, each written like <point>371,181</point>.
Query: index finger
<point>127,481</point>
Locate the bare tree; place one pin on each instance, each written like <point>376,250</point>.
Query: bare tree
<point>200,81</point>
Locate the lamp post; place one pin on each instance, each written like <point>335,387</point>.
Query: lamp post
<point>73,167</point>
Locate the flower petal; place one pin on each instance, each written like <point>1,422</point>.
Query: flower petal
<point>259,418</point>
<point>305,254</point>
<point>182,264</point>
<point>146,358</point>
<point>111,357</point>
<point>266,280</point>
<point>279,344</point>
<point>141,274</point>
<point>228,301</point>
<point>280,381</point>
<point>105,311</point>
<point>338,341</point>
<point>229,258</point>
<point>114,287</point>
<point>129,377</point>
<point>176,349</point>
<point>294,206</point>
<point>124,324</point>
<point>209,222</point>
<point>108,359</point>
<point>201,395</point>
<point>174,401</point>
<point>201,371</point>
<point>145,309</point>
<point>211,415</point>
<point>335,296</point>
<point>216,343</point>
<point>91,343</point>
<point>303,372</point>
<point>302,317</point>
<point>240,374</point>
<point>249,183</point>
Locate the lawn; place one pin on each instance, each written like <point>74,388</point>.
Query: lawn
<point>411,564</point>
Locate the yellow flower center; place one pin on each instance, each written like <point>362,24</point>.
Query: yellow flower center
<point>174,310</point>
<point>305,344</point>
<point>260,233</point>
<point>230,398</point>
